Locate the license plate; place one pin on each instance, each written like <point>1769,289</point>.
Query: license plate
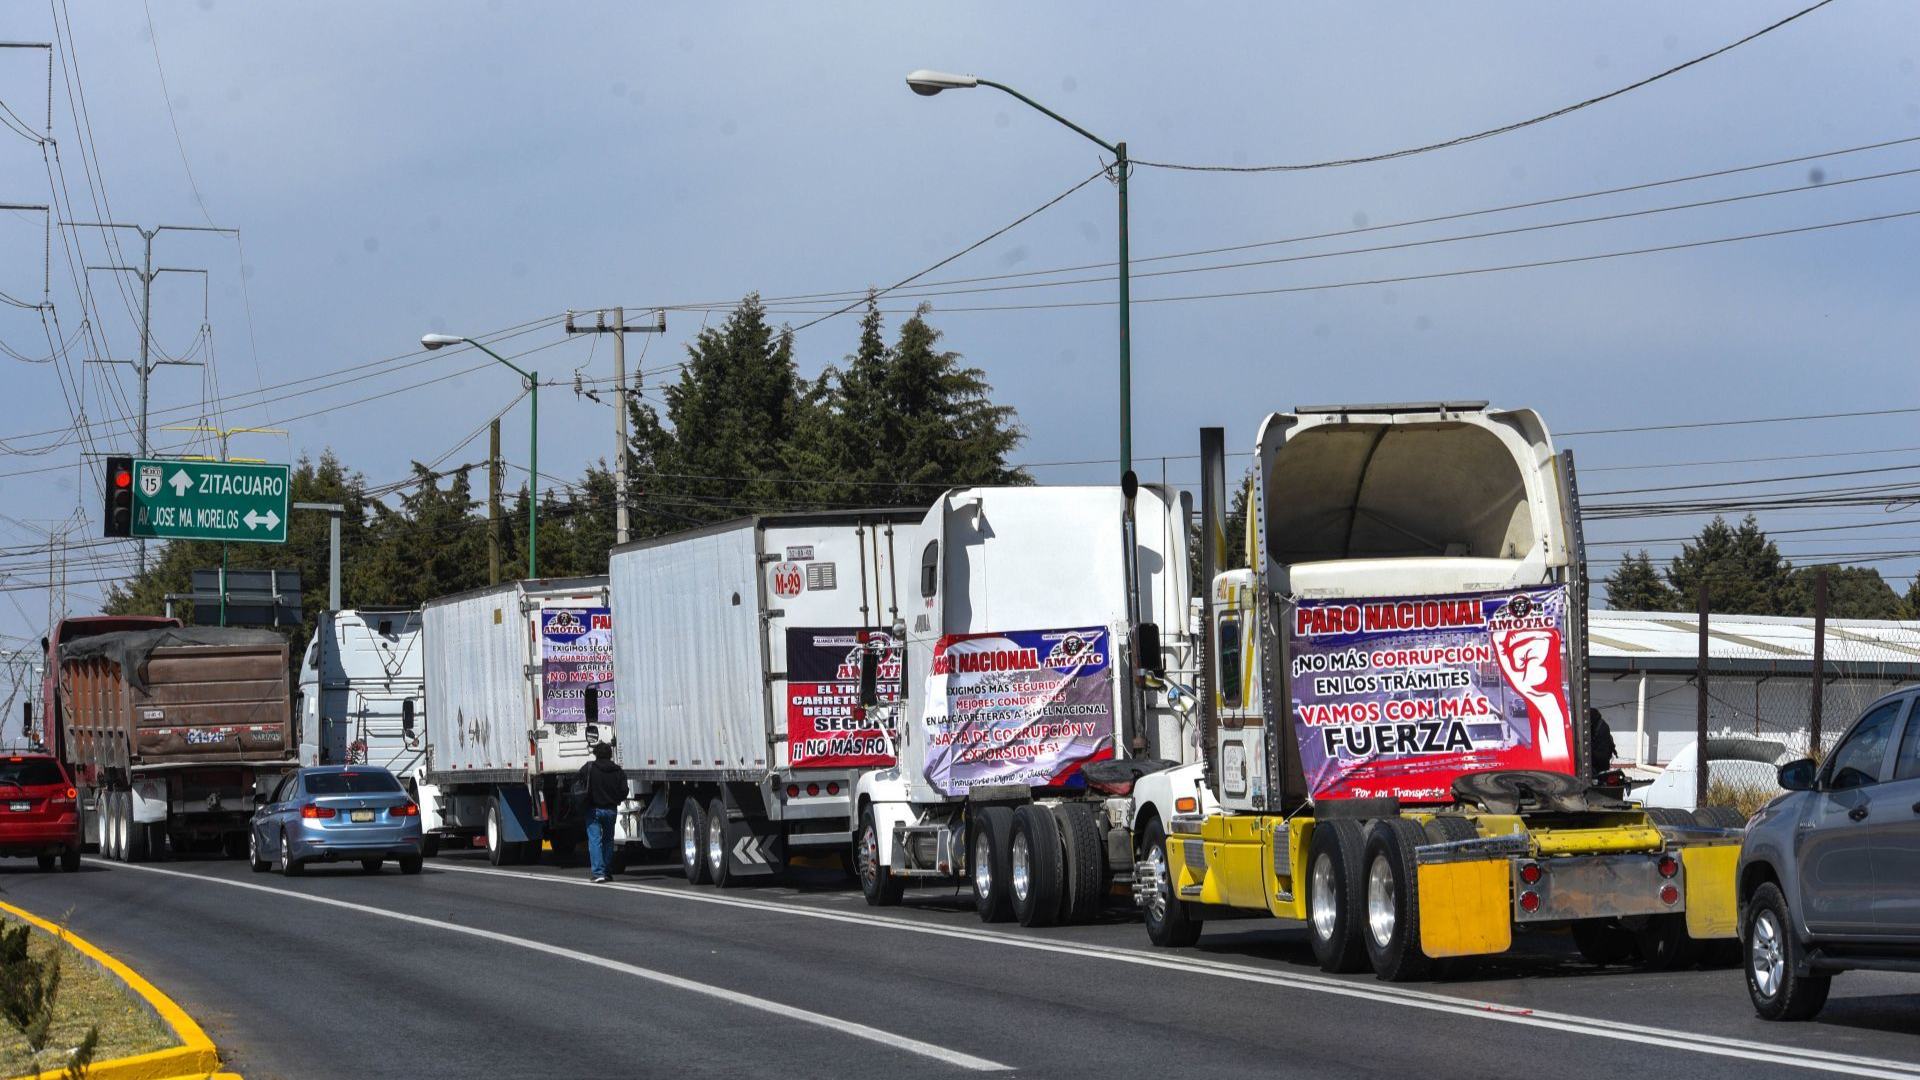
<point>20,806</point>
<point>360,815</point>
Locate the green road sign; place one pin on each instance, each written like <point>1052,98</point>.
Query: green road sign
<point>210,500</point>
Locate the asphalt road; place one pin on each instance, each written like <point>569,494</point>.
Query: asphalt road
<point>469,971</point>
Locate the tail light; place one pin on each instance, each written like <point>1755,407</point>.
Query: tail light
<point>67,796</point>
<point>1530,901</point>
<point>1669,894</point>
<point>793,791</point>
<point>311,811</point>
<point>404,810</point>
<point>833,787</point>
<point>1669,866</point>
<point>813,789</point>
<point>1530,873</point>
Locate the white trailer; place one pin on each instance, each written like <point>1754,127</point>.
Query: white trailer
<point>360,687</point>
<point>737,660</point>
<point>518,687</point>
<point>1046,639</point>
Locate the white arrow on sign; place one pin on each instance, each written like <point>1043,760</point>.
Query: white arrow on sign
<point>745,851</point>
<point>270,519</point>
<point>181,482</point>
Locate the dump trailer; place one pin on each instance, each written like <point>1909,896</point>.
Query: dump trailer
<point>360,688</point>
<point>1394,712</point>
<point>738,658</point>
<point>518,686</point>
<point>171,733</point>
<point>1043,640</point>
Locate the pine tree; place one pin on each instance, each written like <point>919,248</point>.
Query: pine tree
<point>1853,592</point>
<point>1743,570</point>
<point>1635,585</point>
<point>937,426</point>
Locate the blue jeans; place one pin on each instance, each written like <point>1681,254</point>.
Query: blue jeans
<point>600,841</point>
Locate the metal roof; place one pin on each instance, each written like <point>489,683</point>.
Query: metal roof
<point>1668,642</point>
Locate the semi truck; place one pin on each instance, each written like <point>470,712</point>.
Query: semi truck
<point>1394,714</point>
<point>170,733</point>
<point>360,689</point>
<point>517,680</point>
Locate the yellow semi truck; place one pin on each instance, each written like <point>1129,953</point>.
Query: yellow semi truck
<point>1395,735</point>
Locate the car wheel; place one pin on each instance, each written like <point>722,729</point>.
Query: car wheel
<point>715,848</point>
<point>289,866</point>
<point>44,862</point>
<point>877,882</point>
<point>70,860</point>
<point>411,864</point>
<point>1034,866</point>
<point>693,839</point>
<point>1605,941</point>
<point>1778,993</point>
<point>987,859</point>
<point>1083,885</point>
<point>260,865</point>
<point>1170,922</point>
<point>1392,933</point>
<point>1334,896</point>
<point>370,866</point>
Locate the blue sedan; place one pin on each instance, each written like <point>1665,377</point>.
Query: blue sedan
<point>330,813</point>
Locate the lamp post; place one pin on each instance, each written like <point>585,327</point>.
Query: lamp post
<point>928,83</point>
<point>441,341</point>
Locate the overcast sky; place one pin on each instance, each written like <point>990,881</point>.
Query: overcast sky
<point>465,167</point>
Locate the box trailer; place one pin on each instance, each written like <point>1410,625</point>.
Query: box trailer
<point>360,686</point>
<point>1395,711</point>
<point>517,680</point>
<point>736,656</point>
<point>172,732</point>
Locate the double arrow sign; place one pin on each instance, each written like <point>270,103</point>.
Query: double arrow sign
<point>233,502</point>
<point>757,852</point>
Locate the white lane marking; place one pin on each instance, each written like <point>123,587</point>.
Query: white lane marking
<point>835,1024</point>
<point>1670,1038</point>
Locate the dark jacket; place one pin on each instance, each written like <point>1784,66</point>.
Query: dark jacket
<point>603,785</point>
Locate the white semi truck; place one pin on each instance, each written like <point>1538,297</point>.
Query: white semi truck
<point>359,694</point>
<point>518,686</point>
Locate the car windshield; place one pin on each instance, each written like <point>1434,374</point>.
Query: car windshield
<point>351,783</point>
<point>29,772</point>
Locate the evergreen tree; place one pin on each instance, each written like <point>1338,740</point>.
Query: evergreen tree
<point>936,425</point>
<point>1743,570</point>
<point>1910,603</point>
<point>431,545</point>
<point>1635,585</point>
<point>1853,592</point>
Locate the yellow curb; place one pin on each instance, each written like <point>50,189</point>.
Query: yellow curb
<point>196,1055</point>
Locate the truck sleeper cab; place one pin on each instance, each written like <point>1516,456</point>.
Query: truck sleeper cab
<point>1414,606</point>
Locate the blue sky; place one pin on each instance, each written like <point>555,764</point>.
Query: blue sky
<point>397,168</point>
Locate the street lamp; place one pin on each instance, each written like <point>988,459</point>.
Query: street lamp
<point>928,83</point>
<point>441,341</point>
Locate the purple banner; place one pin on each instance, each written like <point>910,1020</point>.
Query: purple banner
<point>1024,707</point>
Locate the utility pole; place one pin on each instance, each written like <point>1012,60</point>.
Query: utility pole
<point>493,502</point>
<point>619,330</point>
<point>147,274</point>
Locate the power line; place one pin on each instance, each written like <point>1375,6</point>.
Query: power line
<point>1739,423</point>
<point>1502,129</point>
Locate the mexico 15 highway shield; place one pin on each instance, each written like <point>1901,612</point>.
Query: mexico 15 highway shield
<point>210,500</point>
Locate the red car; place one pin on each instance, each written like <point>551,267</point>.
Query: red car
<point>39,811</point>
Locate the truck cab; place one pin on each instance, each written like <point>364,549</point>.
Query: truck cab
<point>360,691</point>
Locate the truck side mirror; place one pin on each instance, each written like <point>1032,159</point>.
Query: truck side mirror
<point>869,675</point>
<point>1798,775</point>
<point>406,717</point>
<point>1146,643</point>
<point>593,704</point>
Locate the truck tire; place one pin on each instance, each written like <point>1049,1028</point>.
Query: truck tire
<point>987,848</point>
<point>1336,897</point>
<point>693,842</point>
<point>1448,828</point>
<point>1169,919</point>
<point>135,832</point>
<point>1670,815</point>
<point>1772,955</point>
<point>1605,941</point>
<point>108,809</point>
<point>719,871</point>
<point>1083,889</point>
<point>1034,861</point>
<point>1392,895</point>
<point>1720,817</point>
<point>877,882</point>
<point>1665,944</point>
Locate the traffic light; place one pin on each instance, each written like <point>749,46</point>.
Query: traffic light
<point>118,520</point>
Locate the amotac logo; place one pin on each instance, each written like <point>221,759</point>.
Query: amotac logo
<point>1075,649</point>
<point>564,624</point>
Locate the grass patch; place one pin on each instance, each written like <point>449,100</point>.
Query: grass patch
<point>88,997</point>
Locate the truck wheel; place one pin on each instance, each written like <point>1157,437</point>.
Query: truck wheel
<point>877,882</point>
<point>992,834</point>
<point>497,846</point>
<point>1665,944</point>
<point>1034,859</point>
<point>1083,889</point>
<point>1170,923</point>
<point>109,811</point>
<point>693,842</point>
<point>259,865</point>
<point>1670,815</point>
<point>1778,993</point>
<point>1393,901</point>
<point>1605,941</point>
<point>1336,896</point>
<point>134,831</point>
<point>1720,817</point>
<point>1447,829</point>
<point>718,870</point>
<point>289,866</point>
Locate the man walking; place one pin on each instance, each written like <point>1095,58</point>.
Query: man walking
<point>602,786</point>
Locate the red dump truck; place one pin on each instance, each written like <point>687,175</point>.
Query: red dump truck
<point>170,732</point>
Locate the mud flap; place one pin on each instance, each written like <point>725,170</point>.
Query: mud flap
<point>517,824</point>
<point>1712,900</point>
<point>753,853</point>
<point>1464,908</point>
